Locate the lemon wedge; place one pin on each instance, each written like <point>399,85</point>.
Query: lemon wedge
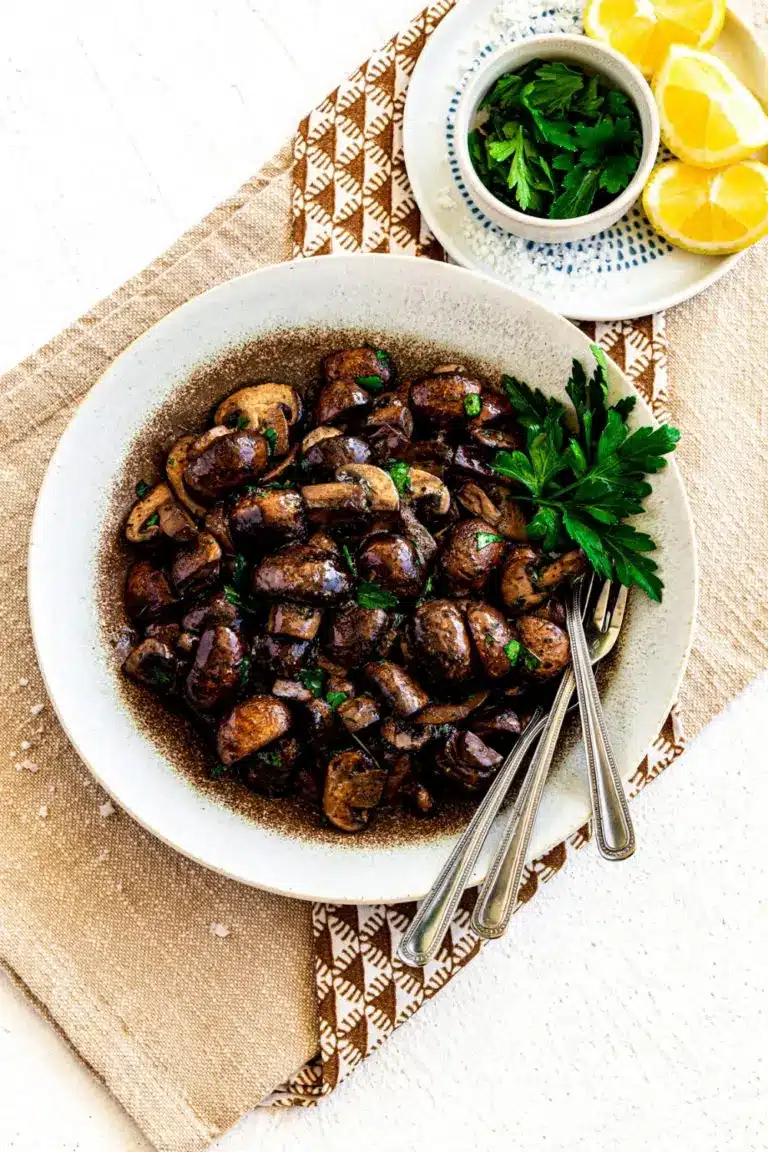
<point>708,118</point>
<point>711,212</point>
<point>643,30</point>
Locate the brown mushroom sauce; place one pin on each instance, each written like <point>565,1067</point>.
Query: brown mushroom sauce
<point>337,590</point>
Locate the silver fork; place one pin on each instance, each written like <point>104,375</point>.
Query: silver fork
<point>427,930</point>
<point>498,894</point>
<point>614,833</point>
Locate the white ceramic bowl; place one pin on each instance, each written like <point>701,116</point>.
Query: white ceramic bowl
<point>594,57</point>
<point>163,384</point>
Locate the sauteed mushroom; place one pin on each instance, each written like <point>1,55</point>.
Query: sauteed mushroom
<point>392,562</point>
<point>148,594</point>
<point>251,726</point>
<point>194,569</point>
<point>299,572</point>
<point>153,664</point>
<point>472,551</point>
<point>216,672</point>
<point>228,462</point>
<point>360,363</point>
<point>143,523</point>
<point>397,688</point>
<point>353,785</point>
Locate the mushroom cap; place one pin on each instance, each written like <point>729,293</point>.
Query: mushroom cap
<point>546,641</point>
<point>175,466</point>
<point>136,529</point>
<point>429,489</point>
<point>468,557</point>
<point>490,632</point>
<point>250,726</point>
<point>250,406</point>
<point>441,642</point>
<point>215,673</point>
<point>299,572</point>
<point>378,485</point>
<point>148,595</point>
<point>353,785</point>
<point>228,461</point>
<point>391,560</point>
<point>339,399</point>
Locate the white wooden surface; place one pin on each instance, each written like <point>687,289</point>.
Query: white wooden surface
<point>628,1005</point>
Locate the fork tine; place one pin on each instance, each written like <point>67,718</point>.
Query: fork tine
<point>619,608</point>
<point>601,617</point>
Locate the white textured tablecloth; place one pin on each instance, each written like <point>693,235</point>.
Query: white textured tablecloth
<point>120,125</point>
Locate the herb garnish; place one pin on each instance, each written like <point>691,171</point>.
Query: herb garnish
<point>349,559</point>
<point>584,485</point>
<point>239,566</point>
<point>512,651</point>
<point>152,520</point>
<point>484,539</point>
<point>556,141</point>
<point>245,671</point>
<point>427,590</point>
<point>401,475</point>
<point>473,404</point>
<point>530,660</point>
<point>217,771</point>
<point>335,698</point>
<point>143,489</point>
<point>240,422</point>
<point>270,435</point>
<point>372,595</point>
<point>158,677</point>
<point>312,679</point>
<point>370,383</point>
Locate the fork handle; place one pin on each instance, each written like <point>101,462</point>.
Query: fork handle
<point>498,895</point>
<point>427,930</point>
<point>614,832</point>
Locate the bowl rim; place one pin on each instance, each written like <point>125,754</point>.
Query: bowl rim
<point>602,217</point>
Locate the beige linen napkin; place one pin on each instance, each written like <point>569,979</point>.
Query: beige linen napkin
<point>119,940</point>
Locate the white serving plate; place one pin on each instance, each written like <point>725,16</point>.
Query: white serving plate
<point>626,271</point>
<point>408,299</point>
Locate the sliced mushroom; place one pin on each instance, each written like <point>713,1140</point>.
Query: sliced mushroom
<point>491,633</point>
<point>398,689</point>
<point>430,491</point>
<point>301,621</point>
<point>391,414</point>
<point>553,610</point>
<point>228,462</point>
<point>334,503</point>
<point>216,672</point>
<point>419,798</point>
<point>498,439</point>
<point>176,523</point>
<point>137,530</point>
<point>440,399</point>
<point>451,713</point>
<point>252,725</point>
<point>175,467</point>
<point>218,609</point>
<point>291,690</point>
<point>204,440</point>
<point>148,594</point>
<point>448,370</point>
<point>471,552</point>
<point>153,664</point>
<point>365,362</point>
<point>273,421</point>
<point>264,518</point>
<point>334,452</point>
<point>317,435</point>
<point>321,722</point>
<point>404,737</point>
<point>353,785</point>
<point>301,573</point>
<point>550,573</point>
<point>468,761</point>
<point>217,523</point>
<point>518,590</point>
<point>377,484</point>
<point>475,500</point>
<point>501,726</point>
<point>281,466</point>
<point>512,523</point>
<point>282,655</point>
<point>248,407</point>
<point>547,643</point>
<point>422,539</point>
<point>473,462</point>
<point>355,633</point>
<point>339,400</point>
<point>358,712</point>
<point>194,569</point>
<point>392,562</point>
<point>441,643</point>
<point>271,771</point>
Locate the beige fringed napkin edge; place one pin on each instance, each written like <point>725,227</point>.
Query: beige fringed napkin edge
<point>173,984</point>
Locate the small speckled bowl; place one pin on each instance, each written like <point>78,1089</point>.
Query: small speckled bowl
<point>594,57</point>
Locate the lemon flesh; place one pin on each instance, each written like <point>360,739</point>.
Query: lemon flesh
<point>644,30</point>
<point>710,212</point>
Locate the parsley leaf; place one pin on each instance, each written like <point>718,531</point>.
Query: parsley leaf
<point>143,489</point>
<point>554,87</point>
<point>349,559</point>
<point>582,485</point>
<point>335,698</point>
<point>370,383</point>
<point>313,680</point>
<point>401,475</point>
<point>473,404</point>
<point>270,435</point>
<point>372,595</point>
<point>512,651</point>
<point>152,520</point>
<point>484,539</point>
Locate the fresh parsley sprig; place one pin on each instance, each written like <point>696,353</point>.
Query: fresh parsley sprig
<point>584,484</point>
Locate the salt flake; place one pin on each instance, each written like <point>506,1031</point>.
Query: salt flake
<point>36,709</point>
<point>107,809</point>
<point>43,812</point>
<point>27,766</point>
<point>220,930</point>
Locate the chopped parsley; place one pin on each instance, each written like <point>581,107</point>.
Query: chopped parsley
<point>158,677</point>
<point>530,660</point>
<point>143,489</point>
<point>232,595</point>
<point>152,520</point>
<point>484,539</point>
<point>217,771</point>
<point>401,475</point>
<point>583,485</point>
<point>372,595</point>
<point>335,698</point>
<point>473,404</point>
<point>427,590</point>
<point>245,671</point>
<point>238,421</point>
<point>512,651</point>
<point>239,569</point>
<point>382,357</point>
<point>370,383</point>
<point>349,559</point>
<point>271,757</point>
<point>556,141</point>
<point>313,680</point>
<point>270,435</point>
